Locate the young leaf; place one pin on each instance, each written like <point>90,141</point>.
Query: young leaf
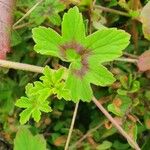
<point>35,102</point>
<point>84,53</point>
<point>24,140</point>
<point>55,80</point>
<point>33,106</point>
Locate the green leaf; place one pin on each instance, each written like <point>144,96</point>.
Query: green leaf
<point>47,41</point>
<point>35,102</point>
<point>55,80</point>
<point>73,26</point>
<point>131,129</point>
<point>104,146</point>
<point>24,140</point>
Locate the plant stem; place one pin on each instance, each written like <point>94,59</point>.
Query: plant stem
<point>130,60</point>
<point>38,69</point>
<point>28,13</point>
<point>112,11</point>
<point>118,127</point>
<point>71,127</point>
<point>85,136</point>
<point>20,66</point>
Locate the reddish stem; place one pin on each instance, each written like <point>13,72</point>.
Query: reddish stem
<point>6,15</point>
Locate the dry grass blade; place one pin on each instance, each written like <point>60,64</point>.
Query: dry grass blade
<point>28,13</point>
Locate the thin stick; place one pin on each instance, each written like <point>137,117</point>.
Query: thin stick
<point>28,13</point>
<point>130,55</point>
<point>85,136</point>
<point>118,127</point>
<point>22,26</point>
<point>20,66</point>
<point>112,11</point>
<point>71,127</point>
<point>130,60</point>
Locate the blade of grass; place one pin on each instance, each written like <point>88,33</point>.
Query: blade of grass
<point>28,13</point>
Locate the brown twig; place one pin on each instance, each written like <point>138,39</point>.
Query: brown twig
<point>117,126</point>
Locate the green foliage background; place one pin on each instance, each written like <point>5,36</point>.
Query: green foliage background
<point>127,99</point>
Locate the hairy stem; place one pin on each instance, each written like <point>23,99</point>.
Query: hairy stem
<point>118,127</point>
<point>37,69</point>
<point>20,66</point>
<point>112,11</point>
<point>71,127</point>
<point>130,60</point>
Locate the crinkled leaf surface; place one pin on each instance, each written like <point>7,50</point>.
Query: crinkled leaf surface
<point>85,54</point>
<point>24,140</point>
<point>33,106</point>
<point>38,93</point>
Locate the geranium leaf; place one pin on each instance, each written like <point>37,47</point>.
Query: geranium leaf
<point>84,54</point>
<point>73,26</point>
<point>47,41</point>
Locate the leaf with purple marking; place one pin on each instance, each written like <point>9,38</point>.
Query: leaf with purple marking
<point>85,53</point>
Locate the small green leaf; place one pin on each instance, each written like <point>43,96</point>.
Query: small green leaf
<point>104,146</point>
